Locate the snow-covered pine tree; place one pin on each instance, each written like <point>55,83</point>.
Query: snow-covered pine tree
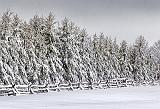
<point>138,59</point>
<point>43,51</point>
<point>124,60</point>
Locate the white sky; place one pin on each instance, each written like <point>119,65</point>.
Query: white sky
<point>124,19</point>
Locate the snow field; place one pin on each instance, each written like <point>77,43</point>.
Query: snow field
<point>122,98</point>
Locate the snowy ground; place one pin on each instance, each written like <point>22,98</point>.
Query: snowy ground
<point>122,98</point>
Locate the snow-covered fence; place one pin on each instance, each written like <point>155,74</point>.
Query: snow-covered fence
<point>104,84</point>
<point>122,82</point>
<point>113,83</point>
<point>22,89</point>
<point>39,89</point>
<point>53,87</point>
<point>65,87</point>
<point>7,90</point>
<point>86,85</point>
<point>116,83</point>
<point>30,89</point>
<point>129,83</point>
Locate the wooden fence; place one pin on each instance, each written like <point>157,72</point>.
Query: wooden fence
<point>8,90</point>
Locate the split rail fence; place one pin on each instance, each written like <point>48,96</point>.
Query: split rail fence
<point>7,90</point>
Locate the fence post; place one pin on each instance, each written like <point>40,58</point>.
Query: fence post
<point>46,86</point>
<point>58,90</point>
<point>70,85</point>
<point>80,86</point>
<point>30,89</point>
<point>15,92</point>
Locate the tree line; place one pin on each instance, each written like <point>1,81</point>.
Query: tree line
<point>46,51</point>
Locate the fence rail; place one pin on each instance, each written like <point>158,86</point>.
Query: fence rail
<point>7,90</point>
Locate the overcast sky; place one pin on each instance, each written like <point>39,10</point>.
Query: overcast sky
<point>124,19</point>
